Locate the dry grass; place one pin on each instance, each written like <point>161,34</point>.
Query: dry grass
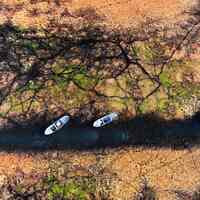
<point>166,170</point>
<point>123,13</point>
<point>12,162</point>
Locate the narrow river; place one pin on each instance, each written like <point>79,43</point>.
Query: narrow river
<point>84,136</point>
<point>67,137</point>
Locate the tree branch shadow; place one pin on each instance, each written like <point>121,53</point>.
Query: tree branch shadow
<point>77,60</point>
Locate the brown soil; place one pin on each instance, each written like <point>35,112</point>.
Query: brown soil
<point>124,13</point>
<point>166,170</point>
<point>11,162</point>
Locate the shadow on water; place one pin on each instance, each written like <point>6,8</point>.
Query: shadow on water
<point>147,131</point>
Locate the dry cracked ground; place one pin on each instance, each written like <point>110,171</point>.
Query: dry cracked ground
<point>164,168</point>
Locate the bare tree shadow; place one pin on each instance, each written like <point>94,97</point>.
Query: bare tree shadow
<point>70,57</point>
<point>77,60</point>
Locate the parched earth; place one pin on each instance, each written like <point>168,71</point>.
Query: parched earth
<point>121,13</point>
<point>165,169</point>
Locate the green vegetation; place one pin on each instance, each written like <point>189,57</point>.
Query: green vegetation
<point>31,45</point>
<point>61,187</point>
<point>162,104</point>
<point>81,188</point>
<point>144,107</point>
<point>65,73</point>
<point>66,191</point>
<point>149,51</point>
<point>165,80</point>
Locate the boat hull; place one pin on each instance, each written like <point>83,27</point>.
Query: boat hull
<point>63,120</point>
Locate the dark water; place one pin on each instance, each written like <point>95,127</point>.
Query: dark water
<point>144,130</point>
<point>68,137</point>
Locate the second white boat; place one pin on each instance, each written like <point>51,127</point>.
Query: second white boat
<point>106,120</point>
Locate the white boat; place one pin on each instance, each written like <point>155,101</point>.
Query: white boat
<point>106,120</point>
<point>57,125</point>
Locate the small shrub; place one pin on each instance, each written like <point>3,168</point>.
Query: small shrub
<point>78,189</point>
<point>89,14</point>
<point>196,195</point>
<point>165,80</point>
<point>146,193</point>
<point>162,105</point>
<point>185,195</point>
<point>69,191</point>
<point>31,45</point>
<point>143,107</point>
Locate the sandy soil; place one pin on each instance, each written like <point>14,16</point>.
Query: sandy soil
<point>130,12</point>
<point>123,13</point>
<point>165,170</point>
